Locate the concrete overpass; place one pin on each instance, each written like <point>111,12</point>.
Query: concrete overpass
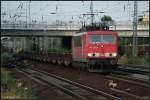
<point>20,33</point>
<point>63,31</point>
<point>26,38</point>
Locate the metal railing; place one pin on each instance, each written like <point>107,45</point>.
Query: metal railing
<point>65,27</point>
<point>39,26</point>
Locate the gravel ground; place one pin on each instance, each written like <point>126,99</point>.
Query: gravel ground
<point>94,80</point>
<point>42,90</point>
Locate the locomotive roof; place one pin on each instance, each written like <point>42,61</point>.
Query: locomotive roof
<point>96,32</point>
<point>95,27</point>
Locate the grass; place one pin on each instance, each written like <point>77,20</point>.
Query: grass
<point>59,50</point>
<point>6,57</point>
<point>139,60</point>
<point>13,89</point>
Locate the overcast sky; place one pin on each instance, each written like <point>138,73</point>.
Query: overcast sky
<point>70,10</point>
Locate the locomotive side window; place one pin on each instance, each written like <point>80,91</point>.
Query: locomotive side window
<point>77,41</point>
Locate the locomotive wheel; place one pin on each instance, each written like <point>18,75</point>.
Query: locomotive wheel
<point>67,62</point>
<point>59,61</point>
<point>44,60</point>
<point>53,61</point>
<point>40,60</point>
<point>48,60</point>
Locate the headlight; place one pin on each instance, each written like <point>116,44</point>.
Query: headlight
<point>93,54</point>
<point>110,54</point>
<point>114,54</point>
<point>107,54</point>
<point>89,54</point>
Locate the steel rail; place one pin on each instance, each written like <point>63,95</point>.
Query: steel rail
<point>98,92</point>
<point>129,79</point>
<point>65,90</point>
<point>94,90</point>
<point>134,69</point>
<point>83,86</point>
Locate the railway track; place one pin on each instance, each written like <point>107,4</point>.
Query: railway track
<point>79,91</point>
<point>133,69</point>
<point>131,75</point>
<point>130,80</point>
<point>122,69</point>
<point>115,90</point>
<point>107,95</point>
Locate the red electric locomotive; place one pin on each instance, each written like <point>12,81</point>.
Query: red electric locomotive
<point>95,49</point>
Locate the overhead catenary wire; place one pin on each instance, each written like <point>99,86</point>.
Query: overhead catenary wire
<point>135,39</point>
<point>48,6</point>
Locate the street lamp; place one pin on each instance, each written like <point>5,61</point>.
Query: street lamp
<point>54,13</point>
<point>146,11</point>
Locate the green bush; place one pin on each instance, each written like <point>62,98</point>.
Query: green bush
<point>139,60</point>
<point>6,57</point>
<point>59,50</point>
<point>13,89</point>
<point>129,59</point>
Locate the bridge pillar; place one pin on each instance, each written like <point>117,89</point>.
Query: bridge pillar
<point>27,43</point>
<point>42,40</point>
<point>46,44</point>
<point>38,44</point>
<point>51,42</point>
<point>33,43</point>
<point>23,43</point>
<point>41,43</point>
<point>14,44</point>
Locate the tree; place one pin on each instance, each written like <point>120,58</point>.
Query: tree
<point>106,18</point>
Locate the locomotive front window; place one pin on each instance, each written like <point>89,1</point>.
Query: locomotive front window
<point>108,39</point>
<point>94,38</point>
<point>102,39</point>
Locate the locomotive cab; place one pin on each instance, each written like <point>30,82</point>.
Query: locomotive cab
<point>95,49</point>
<point>102,48</point>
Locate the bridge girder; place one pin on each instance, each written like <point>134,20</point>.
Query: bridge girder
<point>62,33</point>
